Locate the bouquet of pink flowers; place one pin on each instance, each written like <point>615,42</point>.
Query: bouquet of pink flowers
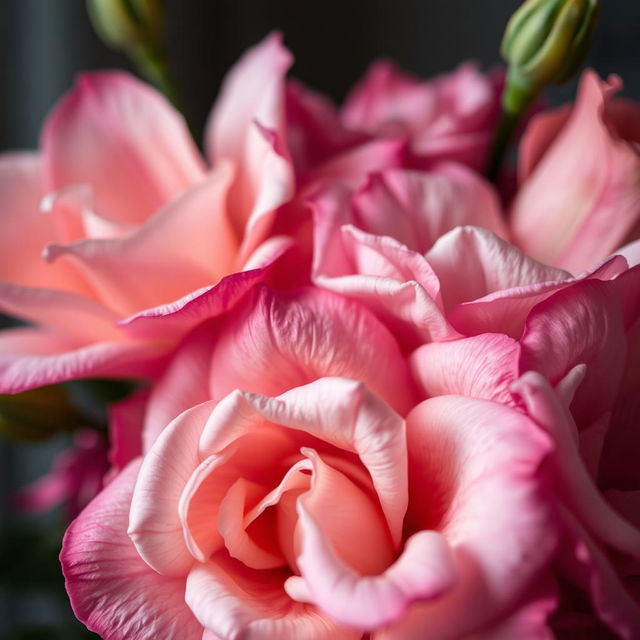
<point>387,387</point>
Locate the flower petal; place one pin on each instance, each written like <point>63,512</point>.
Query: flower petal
<point>124,139</point>
<point>111,589</point>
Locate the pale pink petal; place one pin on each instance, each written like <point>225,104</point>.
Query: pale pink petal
<point>417,207</point>
<point>583,198</point>
<point>472,262</point>
<point>35,357</point>
<point>25,231</point>
<point>154,523</point>
<point>574,484</point>
<point>247,127</point>
<point>473,475</point>
<point>125,140</point>
<point>424,571</point>
<point>73,314</point>
<point>278,341</point>
<point>339,411</point>
<point>111,589</point>
<point>233,601</point>
<point>188,244</point>
<point>631,253</point>
<point>483,366</point>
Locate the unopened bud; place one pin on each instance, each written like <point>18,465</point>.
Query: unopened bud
<point>127,24</point>
<point>545,42</point>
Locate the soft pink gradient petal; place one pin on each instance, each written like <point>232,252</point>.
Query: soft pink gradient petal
<point>583,197</point>
<point>234,601</point>
<point>425,570</point>
<point>125,140</point>
<point>25,231</point>
<point>418,207</point>
<point>583,323</point>
<point>247,127</point>
<point>483,366</point>
<point>188,244</point>
<point>277,341</point>
<point>339,411</point>
<point>154,522</point>
<point>574,484</point>
<point>111,589</point>
<point>35,357</point>
<point>70,313</point>
<point>474,476</point>
<point>472,262</point>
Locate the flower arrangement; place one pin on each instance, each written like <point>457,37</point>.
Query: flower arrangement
<point>381,385</point>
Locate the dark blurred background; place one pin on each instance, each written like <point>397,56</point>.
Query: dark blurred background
<point>44,43</point>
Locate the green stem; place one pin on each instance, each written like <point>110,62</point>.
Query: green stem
<point>515,103</point>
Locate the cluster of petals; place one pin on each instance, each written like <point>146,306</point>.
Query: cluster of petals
<point>383,402</point>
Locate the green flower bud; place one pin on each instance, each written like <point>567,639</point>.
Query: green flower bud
<point>127,24</point>
<point>545,43</point>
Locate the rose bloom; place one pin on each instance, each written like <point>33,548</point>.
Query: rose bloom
<point>307,492</point>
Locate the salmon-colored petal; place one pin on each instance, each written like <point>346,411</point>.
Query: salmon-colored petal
<point>125,140</point>
<point>188,244</point>
<point>232,600</point>
<point>32,358</point>
<point>111,589</point>
<point>25,230</point>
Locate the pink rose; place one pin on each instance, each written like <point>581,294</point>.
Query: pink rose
<point>118,239</point>
<point>295,501</point>
<point>579,197</point>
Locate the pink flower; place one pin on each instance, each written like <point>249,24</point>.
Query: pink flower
<point>75,479</point>
<point>448,118</point>
<point>295,501</point>
<point>579,197</point>
<point>116,237</point>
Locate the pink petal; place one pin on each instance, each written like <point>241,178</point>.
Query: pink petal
<point>581,323</point>
<point>473,476</point>
<point>417,207</point>
<point>150,266</point>
<point>111,589</point>
<point>154,523</point>
<point>483,366</point>
<point>582,199</point>
<point>247,127</point>
<point>25,231</point>
<point>367,427</point>
<point>572,478</point>
<point>278,341</point>
<point>79,317</point>
<point>34,357</point>
<point>122,138</point>
<point>424,571</point>
<point>472,262</point>
<point>232,601</point>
